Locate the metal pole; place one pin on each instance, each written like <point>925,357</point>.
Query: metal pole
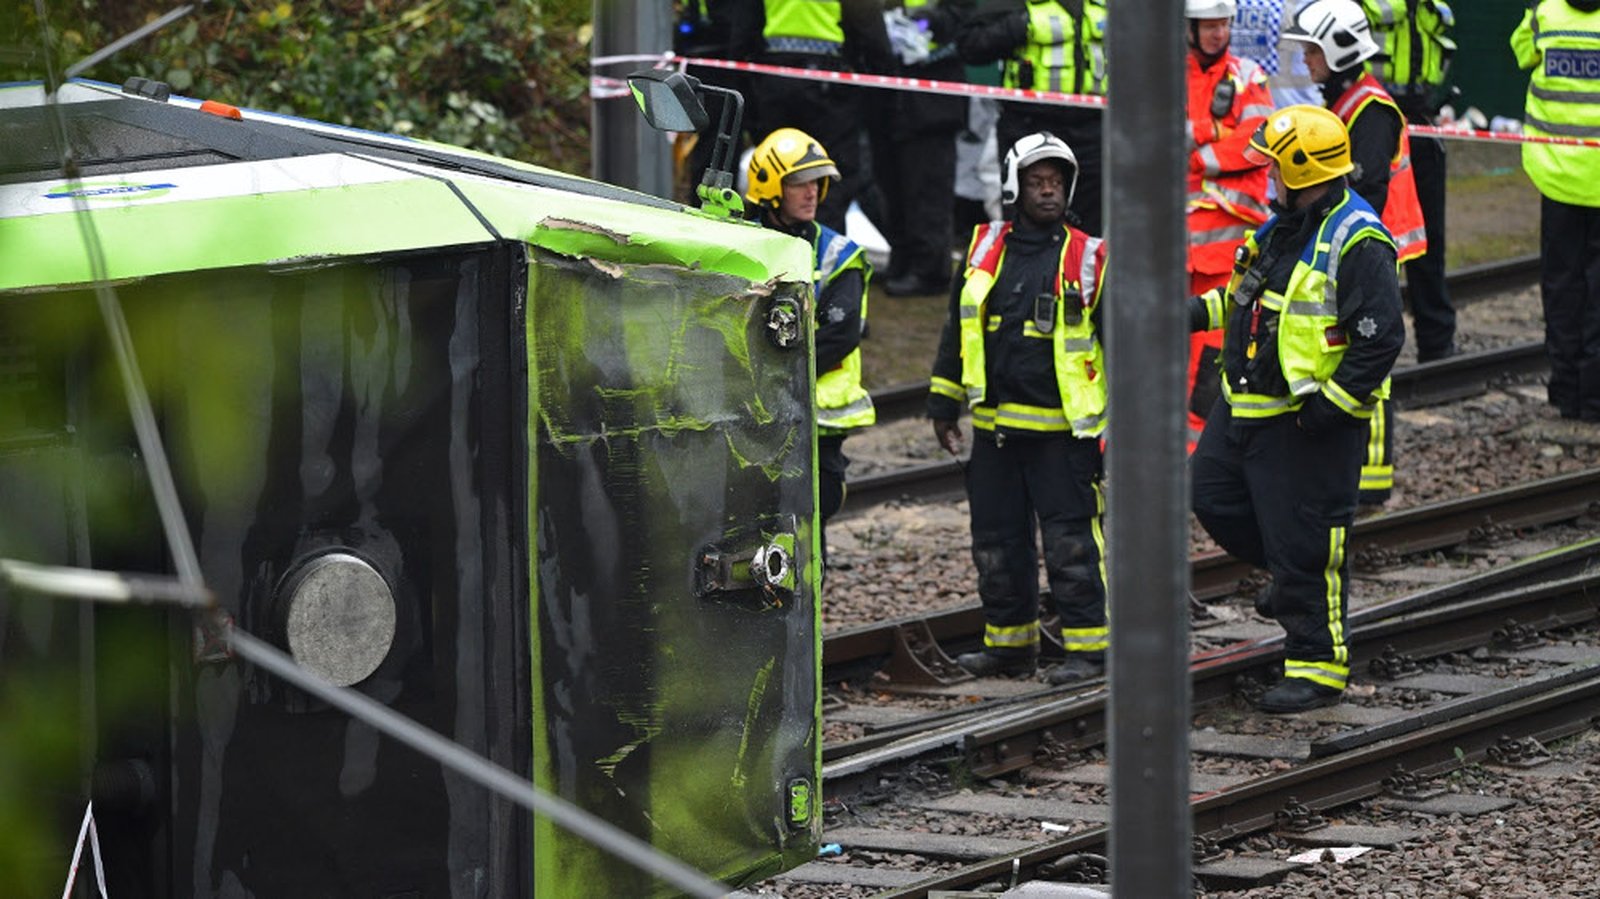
<point>624,149</point>
<point>1148,484</point>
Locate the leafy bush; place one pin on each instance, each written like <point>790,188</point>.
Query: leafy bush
<point>508,77</point>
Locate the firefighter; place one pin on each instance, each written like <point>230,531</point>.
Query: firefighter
<point>1313,325</point>
<point>1412,62</point>
<point>1048,45</point>
<point>1228,99</point>
<point>1337,39</point>
<point>1021,348</point>
<point>1560,41</point>
<point>789,174</point>
<point>826,35</point>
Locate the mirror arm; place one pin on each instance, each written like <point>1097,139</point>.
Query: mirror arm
<point>727,133</point>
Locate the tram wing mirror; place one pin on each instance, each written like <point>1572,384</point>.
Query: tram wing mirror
<point>671,101</point>
<point>668,100</point>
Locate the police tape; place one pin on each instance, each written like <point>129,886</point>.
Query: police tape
<point>604,88</point>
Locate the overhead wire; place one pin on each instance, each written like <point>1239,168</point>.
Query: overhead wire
<point>180,543</point>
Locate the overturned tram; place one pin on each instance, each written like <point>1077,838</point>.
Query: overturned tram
<point>524,457</point>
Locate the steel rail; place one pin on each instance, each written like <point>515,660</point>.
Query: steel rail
<point>1566,709</point>
<point>1000,736</point>
<point>1216,574</point>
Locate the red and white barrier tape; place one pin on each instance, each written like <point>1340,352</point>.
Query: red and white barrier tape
<point>604,88</point>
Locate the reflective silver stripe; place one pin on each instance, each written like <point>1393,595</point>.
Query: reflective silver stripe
<point>1079,344</point>
<point>1304,386</point>
<point>1308,307</point>
<point>803,45</point>
<point>1259,402</point>
<point>1208,155</point>
<point>1340,397</point>
<point>1247,70</point>
<point>1272,301</point>
<point>1089,424</point>
<point>1058,52</point>
<point>1088,284</point>
<point>1316,673</point>
<point>1216,235</point>
<point>968,311</point>
<point>1564,130</point>
<point>1386,14</point>
<point>1358,219</point>
<point>974,394</point>
<point>946,388</point>
<point>838,417</point>
<point>1008,412</point>
<point>991,233</point>
<point>1545,93</point>
<point>1255,110</point>
<point>1412,236</point>
<point>828,266</point>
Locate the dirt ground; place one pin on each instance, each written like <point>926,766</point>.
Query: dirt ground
<point>1492,213</point>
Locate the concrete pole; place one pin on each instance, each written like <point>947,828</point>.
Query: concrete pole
<point>624,149</point>
<point>1148,482</point>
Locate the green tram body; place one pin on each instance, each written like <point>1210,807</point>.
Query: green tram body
<point>549,413</point>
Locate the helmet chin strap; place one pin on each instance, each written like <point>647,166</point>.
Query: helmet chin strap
<point>1207,60</point>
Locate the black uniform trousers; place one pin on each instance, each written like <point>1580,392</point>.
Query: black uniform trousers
<point>914,167</point>
<point>1569,247</point>
<point>1281,499</point>
<point>1056,479</point>
<point>1433,316</point>
<point>831,113</point>
<point>831,465</point>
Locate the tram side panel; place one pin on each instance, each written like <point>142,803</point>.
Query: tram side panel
<point>676,689</point>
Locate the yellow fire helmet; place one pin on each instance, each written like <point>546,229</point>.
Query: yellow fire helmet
<point>1309,144</point>
<point>787,155</point>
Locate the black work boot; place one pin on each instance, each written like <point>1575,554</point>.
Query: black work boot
<point>1079,666</point>
<point>1263,602</point>
<point>1296,694</point>
<point>1000,662</point>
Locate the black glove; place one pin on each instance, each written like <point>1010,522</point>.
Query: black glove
<point>948,432</point>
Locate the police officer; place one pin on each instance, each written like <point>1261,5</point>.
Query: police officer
<point>1227,100</point>
<point>1048,45</point>
<point>1560,41</point>
<point>826,35</point>
<point>789,174</point>
<point>1021,348</point>
<point>1313,325</point>
<point>1337,39</point>
<point>1412,63</point>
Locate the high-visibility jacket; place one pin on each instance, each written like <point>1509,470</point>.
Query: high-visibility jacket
<point>1310,343</point>
<point>842,403</point>
<point>1416,48</point>
<point>1402,212</point>
<point>1064,53</point>
<point>1079,359</point>
<point>804,26</point>
<point>1227,193</point>
<point>1562,46</point>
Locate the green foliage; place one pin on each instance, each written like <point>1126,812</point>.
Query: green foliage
<point>508,77</point>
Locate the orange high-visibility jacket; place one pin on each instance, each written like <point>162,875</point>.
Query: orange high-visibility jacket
<point>1402,211</point>
<point>1227,194</point>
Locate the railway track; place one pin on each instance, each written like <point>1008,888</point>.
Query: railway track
<point>1455,675</point>
<point>912,651</point>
